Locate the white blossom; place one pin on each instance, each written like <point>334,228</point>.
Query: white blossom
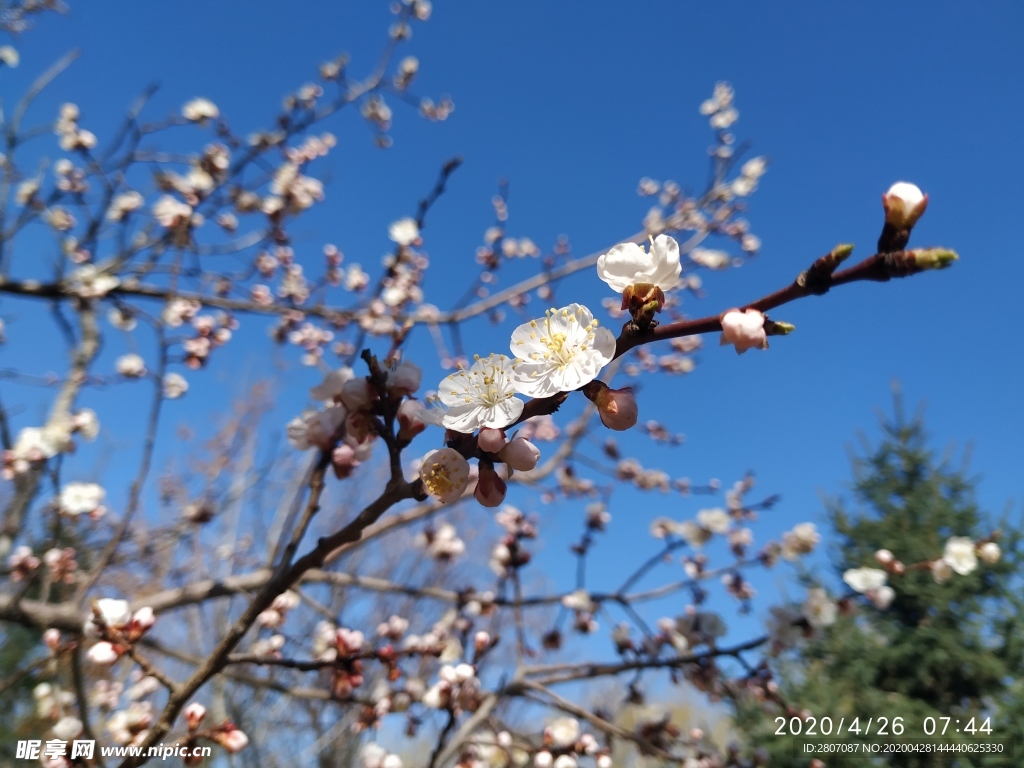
<point>562,352</point>
<point>131,366</point>
<point>819,609</point>
<point>200,110</point>
<point>714,520</point>
<point>81,498</point>
<point>89,283</point>
<point>628,264</point>
<point>445,474</point>
<point>316,428</point>
<point>482,395</point>
<point>744,330</point>
<point>175,385</point>
<point>864,579</point>
<point>330,388</point>
<point>990,552</point>
<point>959,555</point>
<point>9,56</point>
<point>563,732</point>
<point>404,231</point>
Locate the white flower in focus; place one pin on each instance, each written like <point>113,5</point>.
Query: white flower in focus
<point>864,579</point>
<point>445,474</point>
<point>131,366</point>
<point>628,264</point>
<point>404,231</point>
<point>200,110</point>
<point>960,555</point>
<point>175,385</point>
<point>482,395</point>
<point>81,498</point>
<point>562,352</point>
<point>745,330</point>
<point>819,609</point>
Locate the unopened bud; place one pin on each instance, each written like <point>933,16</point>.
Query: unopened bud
<point>842,252</point>
<point>934,258</point>
<point>520,454</point>
<point>51,638</point>
<point>616,407</point>
<point>410,419</point>
<point>481,640</point>
<point>490,488</point>
<point>490,440</point>
<point>194,714</point>
<point>904,204</point>
<point>884,556</point>
<point>778,328</point>
<point>989,552</point>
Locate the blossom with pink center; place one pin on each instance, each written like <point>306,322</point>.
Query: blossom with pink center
<point>744,330</point>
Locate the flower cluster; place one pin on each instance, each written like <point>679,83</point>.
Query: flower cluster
<point>117,628</point>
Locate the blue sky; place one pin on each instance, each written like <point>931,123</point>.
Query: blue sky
<point>573,104</point>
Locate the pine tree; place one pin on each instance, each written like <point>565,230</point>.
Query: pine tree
<point>951,650</point>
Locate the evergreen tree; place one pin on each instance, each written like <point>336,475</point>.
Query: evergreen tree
<point>950,650</point>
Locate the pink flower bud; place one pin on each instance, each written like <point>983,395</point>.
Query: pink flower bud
<point>142,619</point>
<point>491,440</point>
<point>520,454</point>
<point>103,654</point>
<point>356,394</point>
<point>410,419</point>
<point>744,330</point>
<point>232,739</point>
<point>194,714</point>
<point>343,460</point>
<point>404,379</point>
<point>51,638</point>
<point>617,408</point>
<point>490,488</point>
<point>904,204</point>
<point>481,640</point>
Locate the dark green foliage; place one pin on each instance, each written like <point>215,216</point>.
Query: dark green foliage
<point>940,650</point>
